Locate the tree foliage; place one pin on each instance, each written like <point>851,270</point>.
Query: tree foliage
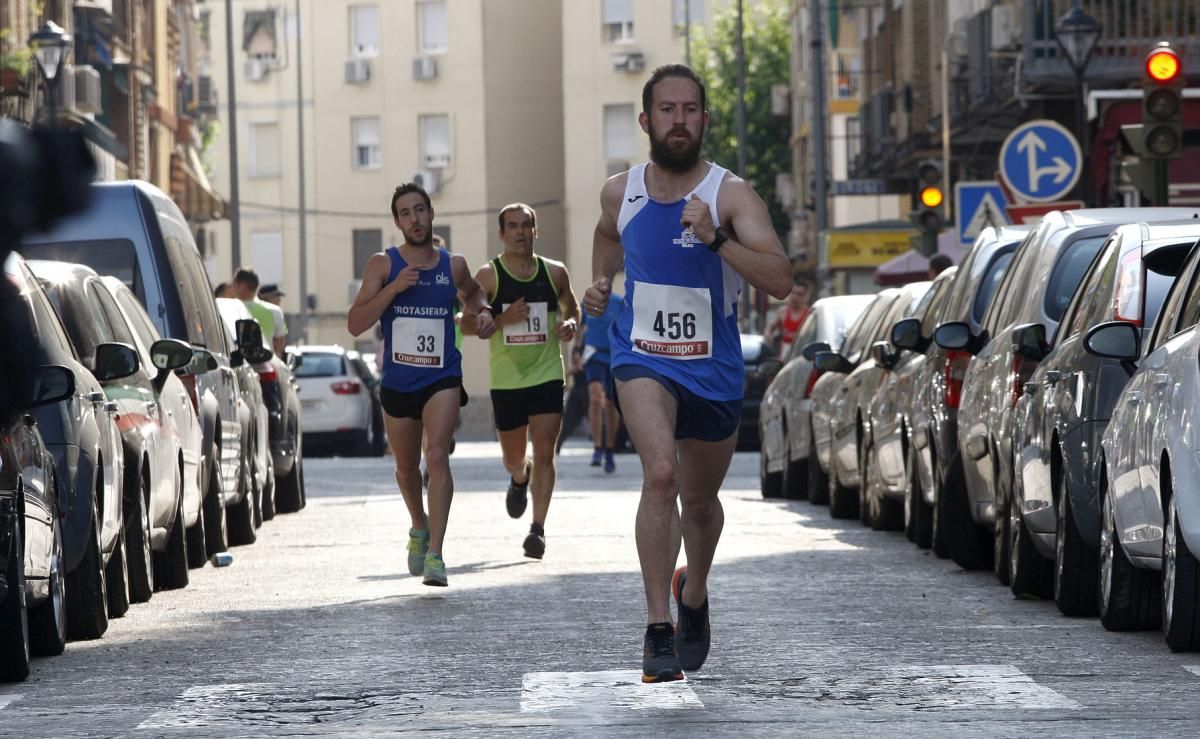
<point>767,40</point>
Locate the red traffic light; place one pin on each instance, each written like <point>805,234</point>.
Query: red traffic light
<point>1163,65</point>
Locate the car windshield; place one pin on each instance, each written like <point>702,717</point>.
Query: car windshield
<point>114,257</point>
<point>1068,271</point>
<point>320,365</point>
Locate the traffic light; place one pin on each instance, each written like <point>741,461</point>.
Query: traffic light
<point>927,212</point>
<point>1162,103</point>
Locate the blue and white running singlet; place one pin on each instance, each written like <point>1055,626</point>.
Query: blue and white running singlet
<point>418,328</point>
<point>679,317</point>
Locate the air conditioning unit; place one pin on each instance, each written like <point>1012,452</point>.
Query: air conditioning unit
<point>627,61</point>
<point>358,71</point>
<point>616,166</point>
<point>436,161</point>
<point>206,95</point>
<point>424,68</point>
<point>65,90</point>
<point>87,90</point>
<point>429,179</point>
<point>256,69</point>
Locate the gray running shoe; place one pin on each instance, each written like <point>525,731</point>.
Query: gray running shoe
<point>516,500</point>
<point>659,663</point>
<point>435,571</point>
<point>535,543</point>
<point>692,633</point>
<point>418,546</point>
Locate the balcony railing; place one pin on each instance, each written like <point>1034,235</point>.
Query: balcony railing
<point>1130,29</point>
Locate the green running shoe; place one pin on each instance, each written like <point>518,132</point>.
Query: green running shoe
<point>435,570</point>
<point>418,546</point>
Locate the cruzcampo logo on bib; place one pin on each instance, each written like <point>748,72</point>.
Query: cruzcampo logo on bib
<point>672,322</point>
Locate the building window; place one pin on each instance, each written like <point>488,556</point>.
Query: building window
<point>620,143</point>
<point>266,254</point>
<point>435,141</point>
<point>367,150</point>
<point>264,145</point>
<point>367,243</point>
<point>364,31</point>
<point>258,35</point>
<point>685,12</point>
<point>618,21</point>
<point>431,26</point>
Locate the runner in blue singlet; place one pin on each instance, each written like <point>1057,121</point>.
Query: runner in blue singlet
<point>410,291</point>
<point>687,233</point>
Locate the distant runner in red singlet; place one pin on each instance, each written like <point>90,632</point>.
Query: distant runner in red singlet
<point>787,320</point>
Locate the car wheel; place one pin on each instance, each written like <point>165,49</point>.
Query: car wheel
<point>818,481</point>
<point>48,620</point>
<point>1129,597</point>
<point>288,498</point>
<point>171,565</point>
<point>1001,536</point>
<point>918,515</point>
<point>268,494</point>
<point>772,482</point>
<point>87,597</point>
<point>256,496</point>
<point>867,510</point>
<point>795,474</point>
<point>843,502</point>
<point>137,540</point>
<point>303,489</point>
<point>216,535</point>
<point>240,517</point>
<point>1180,587</point>
<point>1074,562</point>
<point>14,619</point>
<point>116,578</point>
<point>1030,574</point>
<point>940,517</point>
<point>969,545</point>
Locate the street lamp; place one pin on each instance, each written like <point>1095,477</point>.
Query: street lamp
<point>1077,34</point>
<point>50,46</point>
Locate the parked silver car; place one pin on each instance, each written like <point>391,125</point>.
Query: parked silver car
<point>1036,289</point>
<point>829,386</point>
<point>889,410</point>
<point>1151,471</point>
<point>933,441</point>
<point>1067,404</point>
<point>785,424</point>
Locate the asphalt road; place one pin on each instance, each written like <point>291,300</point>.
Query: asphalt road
<point>819,627</point>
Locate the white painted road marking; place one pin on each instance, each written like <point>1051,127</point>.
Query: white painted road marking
<point>974,687</point>
<point>7,700</point>
<point>1194,669</point>
<point>587,692</point>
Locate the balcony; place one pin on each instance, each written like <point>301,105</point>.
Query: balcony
<point>1129,30</point>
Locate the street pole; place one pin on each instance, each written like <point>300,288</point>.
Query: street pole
<point>687,32</point>
<point>235,220</point>
<point>303,199</point>
<point>1081,128</point>
<point>819,135</point>
<point>747,306</point>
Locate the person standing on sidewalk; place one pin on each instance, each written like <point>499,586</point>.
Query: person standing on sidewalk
<point>602,413</point>
<point>786,321</point>
<point>687,234</point>
<point>535,312</point>
<point>410,291</point>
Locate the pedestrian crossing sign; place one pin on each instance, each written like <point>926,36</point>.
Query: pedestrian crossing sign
<point>978,205</point>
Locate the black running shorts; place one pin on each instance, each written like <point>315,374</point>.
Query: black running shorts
<point>411,405</point>
<point>513,408</point>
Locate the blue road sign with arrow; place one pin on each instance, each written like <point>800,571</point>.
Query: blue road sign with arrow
<point>1040,161</point>
<point>977,206</point>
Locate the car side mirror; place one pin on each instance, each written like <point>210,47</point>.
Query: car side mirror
<point>202,361</point>
<point>249,333</point>
<point>956,336</point>
<point>54,383</point>
<point>258,354</point>
<point>293,359</point>
<point>832,362</point>
<point>114,361</point>
<point>906,334</point>
<point>236,359</point>
<point>883,355</point>
<point>1114,340</point>
<point>810,351</point>
<point>1029,341</point>
<point>168,355</point>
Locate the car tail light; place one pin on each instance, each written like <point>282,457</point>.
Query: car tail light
<point>953,372</point>
<point>347,387</point>
<point>267,373</point>
<point>813,376</point>
<point>189,382</point>
<point>1130,293</point>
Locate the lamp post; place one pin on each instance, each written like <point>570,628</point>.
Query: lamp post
<point>1077,34</point>
<point>50,47</point>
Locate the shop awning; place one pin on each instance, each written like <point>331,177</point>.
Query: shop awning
<point>190,188</point>
<point>913,266</point>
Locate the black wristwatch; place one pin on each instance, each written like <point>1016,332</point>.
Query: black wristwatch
<point>720,238</point>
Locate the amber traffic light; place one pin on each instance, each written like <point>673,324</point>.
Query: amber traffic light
<point>1162,103</point>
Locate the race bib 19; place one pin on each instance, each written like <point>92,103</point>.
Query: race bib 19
<point>533,330</point>
<point>672,322</point>
<point>417,342</point>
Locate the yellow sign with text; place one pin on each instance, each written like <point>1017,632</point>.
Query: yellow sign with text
<point>865,248</point>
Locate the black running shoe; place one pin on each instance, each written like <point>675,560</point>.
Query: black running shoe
<point>659,663</point>
<point>516,499</point>
<point>692,635</point>
<point>535,543</point>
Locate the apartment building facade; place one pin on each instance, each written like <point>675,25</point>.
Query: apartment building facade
<point>465,97</point>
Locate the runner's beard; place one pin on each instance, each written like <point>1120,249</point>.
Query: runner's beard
<point>428,240</point>
<point>674,159</point>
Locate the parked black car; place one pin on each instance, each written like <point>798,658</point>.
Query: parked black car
<point>33,603</point>
<point>135,232</point>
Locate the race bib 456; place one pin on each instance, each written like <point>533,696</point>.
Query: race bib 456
<point>672,322</point>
